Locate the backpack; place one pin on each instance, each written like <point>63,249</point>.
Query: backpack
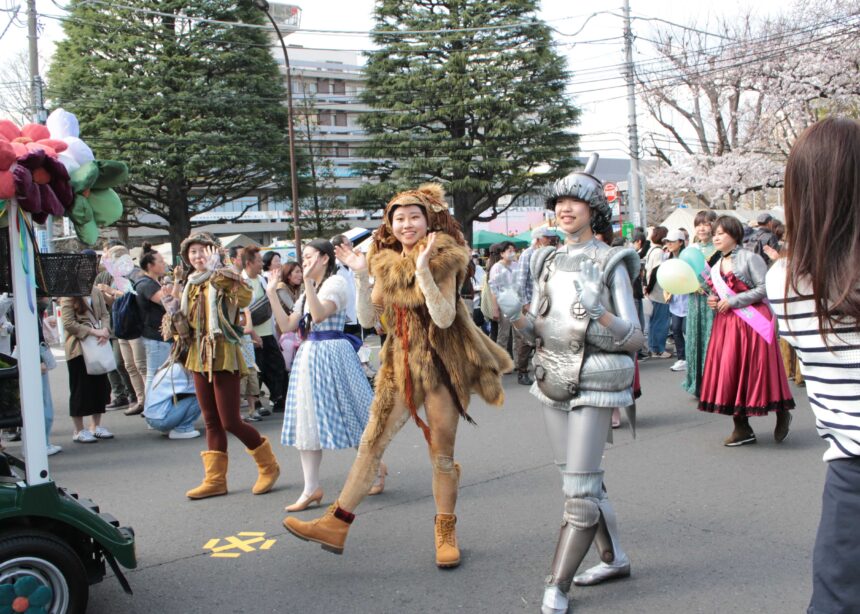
<point>126,316</point>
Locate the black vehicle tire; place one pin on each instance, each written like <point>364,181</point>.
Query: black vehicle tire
<point>50,560</point>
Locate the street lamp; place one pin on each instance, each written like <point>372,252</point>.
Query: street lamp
<point>263,5</point>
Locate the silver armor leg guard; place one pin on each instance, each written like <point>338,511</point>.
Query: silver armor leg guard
<point>615,563</point>
<point>581,517</point>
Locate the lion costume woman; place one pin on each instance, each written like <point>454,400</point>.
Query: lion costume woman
<point>434,356</point>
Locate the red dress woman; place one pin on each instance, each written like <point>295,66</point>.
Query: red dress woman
<point>744,375</point>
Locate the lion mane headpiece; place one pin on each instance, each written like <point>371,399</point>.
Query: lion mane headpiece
<point>431,198</point>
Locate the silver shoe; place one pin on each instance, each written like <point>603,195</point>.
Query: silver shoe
<point>555,601</point>
<point>603,572</point>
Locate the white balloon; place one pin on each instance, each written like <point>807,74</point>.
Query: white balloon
<point>79,150</point>
<point>68,161</point>
<point>62,124</point>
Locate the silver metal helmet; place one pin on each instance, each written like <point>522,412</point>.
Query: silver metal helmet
<point>586,187</point>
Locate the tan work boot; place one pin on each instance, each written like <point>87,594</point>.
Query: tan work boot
<point>215,477</point>
<point>447,551</point>
<point>329,530</point>
<point>268,469</point>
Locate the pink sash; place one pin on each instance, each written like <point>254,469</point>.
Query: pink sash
<point>754,318</point>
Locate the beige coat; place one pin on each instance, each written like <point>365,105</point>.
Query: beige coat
<point>78,325</point>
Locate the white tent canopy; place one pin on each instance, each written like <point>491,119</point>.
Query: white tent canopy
<point>684,218</point>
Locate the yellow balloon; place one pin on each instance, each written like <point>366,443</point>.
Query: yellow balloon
<point>677,277</point>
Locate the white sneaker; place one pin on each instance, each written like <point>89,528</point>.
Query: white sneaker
<point>174,434</point>
<point>102,433</point>
<point>52,449</point>
<point>84,436</point>
<point>680,365</point>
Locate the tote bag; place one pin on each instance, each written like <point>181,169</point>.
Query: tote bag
<point>486,300</point>
<point>98,358</point>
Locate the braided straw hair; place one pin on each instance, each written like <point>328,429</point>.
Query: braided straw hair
<point>431,198</point>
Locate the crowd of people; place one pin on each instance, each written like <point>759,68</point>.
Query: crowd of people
<point>573,315</point>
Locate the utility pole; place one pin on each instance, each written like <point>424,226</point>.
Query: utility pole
<point>637,207</point>
<point>263,5</point>
<point>38,113</point>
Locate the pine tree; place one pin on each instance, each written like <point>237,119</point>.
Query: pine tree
<point>481,107</point>
<point>194,107</point>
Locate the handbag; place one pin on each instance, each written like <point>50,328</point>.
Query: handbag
<point>47,356</point>
<point>261,311</point>
<point>289,343</point>
<point>487,300</point>
<point>98,358</point>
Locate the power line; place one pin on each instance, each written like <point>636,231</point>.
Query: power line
<point>521,24</point>
<point>14,15</point>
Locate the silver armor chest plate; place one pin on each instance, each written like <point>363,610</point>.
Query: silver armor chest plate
<point>573,353</point>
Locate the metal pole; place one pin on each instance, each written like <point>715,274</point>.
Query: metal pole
<point>294,179</point>
<point>27,342</point>
<point>637,207</point>
<point>38,113</point>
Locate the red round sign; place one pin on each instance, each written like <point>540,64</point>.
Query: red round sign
<point>610,190</point>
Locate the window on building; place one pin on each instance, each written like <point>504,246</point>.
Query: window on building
<point>343,150</point>
<point>339,87</point>
<point>340,118</point>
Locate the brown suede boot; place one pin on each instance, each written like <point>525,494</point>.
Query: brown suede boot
<point>268,469</point>
<point>329,530</point>
<point>215,477</point>
<point>742,435</point>
<point>447,551</point>
<point>783,419</point>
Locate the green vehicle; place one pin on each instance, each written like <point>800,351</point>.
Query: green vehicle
<point>53,543</point>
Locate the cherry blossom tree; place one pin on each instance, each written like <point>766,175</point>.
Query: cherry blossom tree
<point>731,99</point>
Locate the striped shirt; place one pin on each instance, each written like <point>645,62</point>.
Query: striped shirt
<point>523,276</point>
<point>832,374</point>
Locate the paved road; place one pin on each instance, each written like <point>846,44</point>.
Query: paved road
<point>709,529</point>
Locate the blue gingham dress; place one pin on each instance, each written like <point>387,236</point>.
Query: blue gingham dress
<point>328,401</point>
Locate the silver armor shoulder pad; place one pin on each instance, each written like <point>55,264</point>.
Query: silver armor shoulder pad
<point>617,255</point>
<point>538,259</point>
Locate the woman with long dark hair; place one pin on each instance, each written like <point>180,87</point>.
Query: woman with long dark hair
<point>743,374</point>
<point>493,257</point>
<point>328,400</point>
<point>149,295</point>
<point>289,286</point>
<point>88,394</point>
<point>815,291</point>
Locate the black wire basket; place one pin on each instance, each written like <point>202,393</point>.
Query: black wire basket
<point>56,274</point>
<point>10,394</point>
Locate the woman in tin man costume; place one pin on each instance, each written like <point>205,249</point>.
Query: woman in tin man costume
<point>585,329</point>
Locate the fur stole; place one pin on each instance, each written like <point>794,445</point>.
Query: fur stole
<point>460,358</point>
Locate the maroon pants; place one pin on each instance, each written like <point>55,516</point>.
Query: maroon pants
<point>219,402</point>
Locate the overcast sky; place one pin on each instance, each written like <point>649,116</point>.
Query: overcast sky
<point>596,85</point>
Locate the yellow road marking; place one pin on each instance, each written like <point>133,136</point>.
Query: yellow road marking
<point>243,541</point>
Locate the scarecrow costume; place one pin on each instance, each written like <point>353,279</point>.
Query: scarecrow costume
<point>434,356</point>
<point>208,331</point>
